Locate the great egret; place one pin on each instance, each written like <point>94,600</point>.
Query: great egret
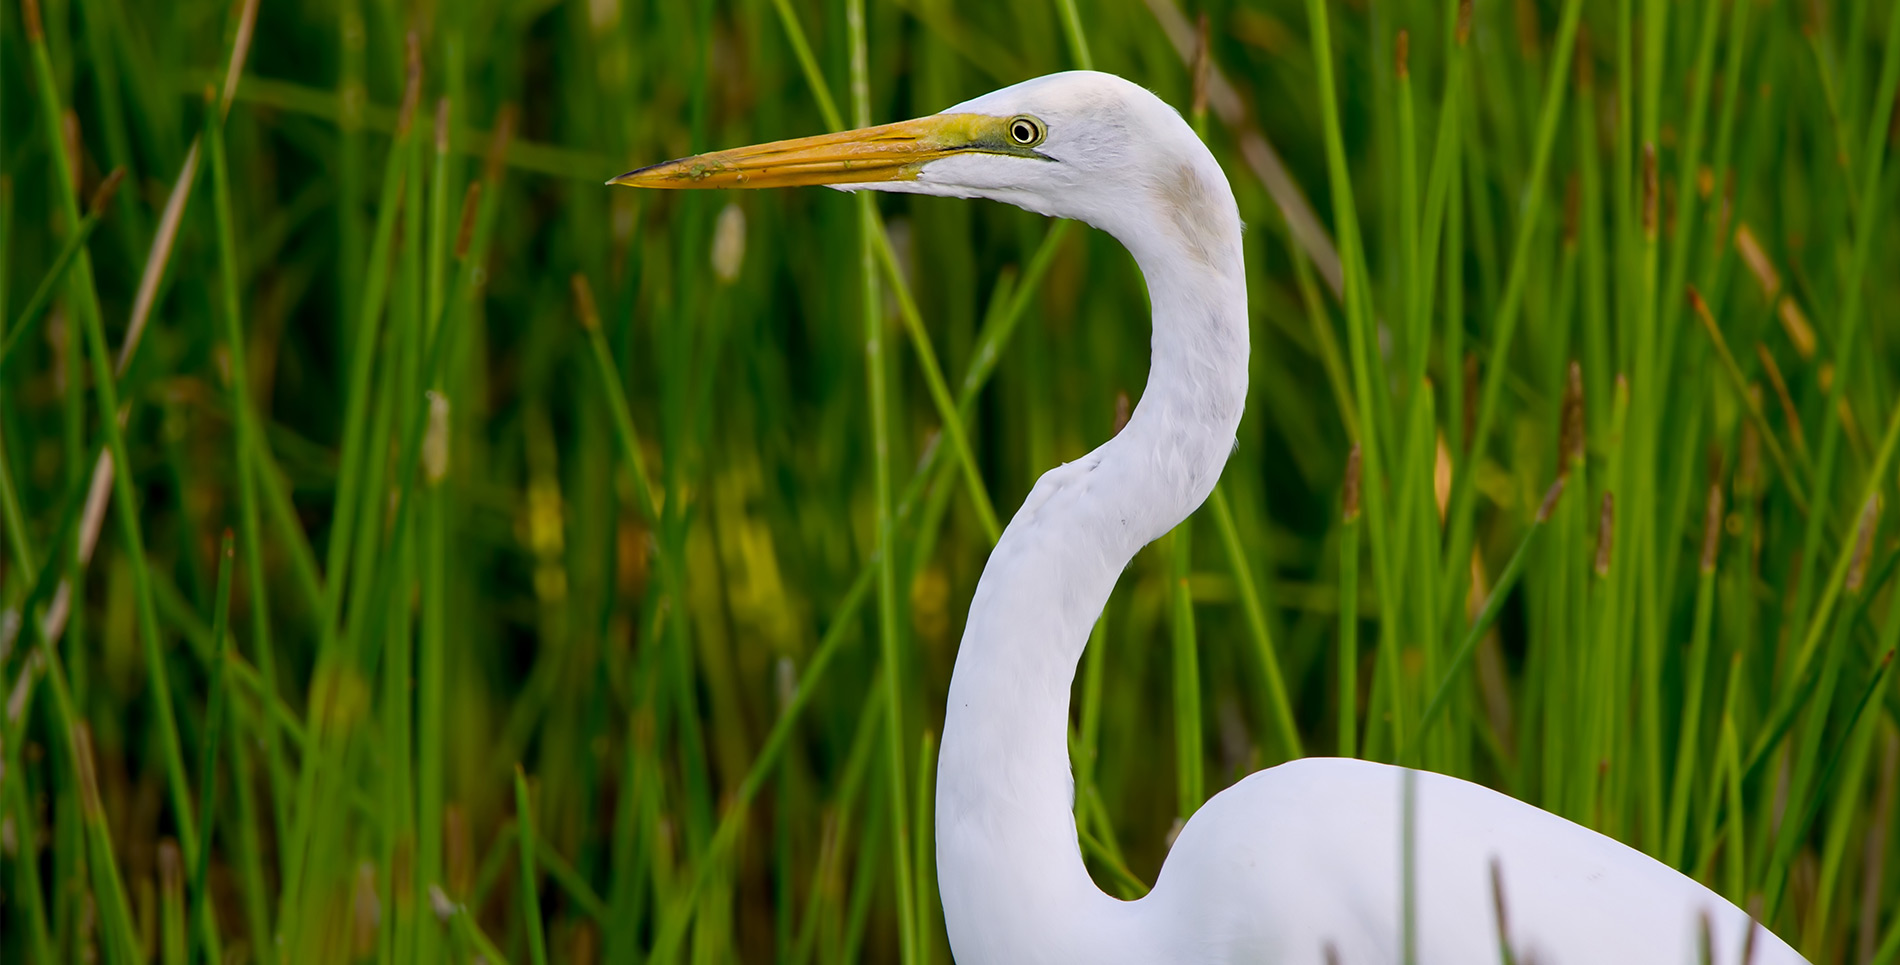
<point>1293,860</point>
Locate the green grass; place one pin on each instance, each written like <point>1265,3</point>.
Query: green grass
<point>488,569</point>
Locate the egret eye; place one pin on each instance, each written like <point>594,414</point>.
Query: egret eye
<point>1026,130</point>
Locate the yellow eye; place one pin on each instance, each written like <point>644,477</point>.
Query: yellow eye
<point>1026,130</point>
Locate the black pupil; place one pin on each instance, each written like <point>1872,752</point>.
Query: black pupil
<point>1024,132</point>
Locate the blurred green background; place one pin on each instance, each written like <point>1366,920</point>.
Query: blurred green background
<point>504,566</point>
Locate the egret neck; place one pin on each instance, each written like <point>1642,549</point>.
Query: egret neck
<point>1006,839</point>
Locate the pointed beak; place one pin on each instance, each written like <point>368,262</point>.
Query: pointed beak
<point>889,152</point>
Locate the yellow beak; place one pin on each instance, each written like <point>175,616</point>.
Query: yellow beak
<point>889,152</point>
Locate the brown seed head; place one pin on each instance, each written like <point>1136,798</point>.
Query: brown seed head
<point>1349,498</point>
<point>412,85</point>
<point>1571,436</point>
<point>1650,195</point>
<point>1795,322</point>
<point>1551,495</point>
<point>1122,412</point>
<point>30,13</point>
<point>465,231</point>
<point>1863,544</point>
<point>1464,22</point>
<point>102,195</point>
<point>1528,29</point>
<point>1606,533</point>
<point>1497,899</point>
<point>1712,527</point>
<point>1756,258</point>
<point>442,126</point>
<point>1402,55</point>
<point>584,302</point>
<point>170,875</point>
<point>75,145</point>
<point>457,852</point>
<point>1472,388</point>
<point>1788,412</point>
<point>497,154</point>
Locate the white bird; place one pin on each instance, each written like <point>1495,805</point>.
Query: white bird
<point>1291,861</point>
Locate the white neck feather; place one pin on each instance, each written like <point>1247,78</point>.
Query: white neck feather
<point>1006,843</point>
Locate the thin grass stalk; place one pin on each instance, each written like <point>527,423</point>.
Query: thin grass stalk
<point>1348,647</point>
<point>171,905</point>
<point>530,877</point>
<point>358,474</point>
<point>249,443</point>
<point>55,276</point>
<point>1413,269</point>
<point>115,916</point>
<point>105,386</point>
<point>1864,224</point>
<point>26,867</point>
<point>1279,707</point>
<point>907,304</point>
<point>205,912</point>
<point>1480,626</point>
<point>1695,674</point>
<point>13,789</point>
<point>1845,800</point>
<point>1837,578</point>
<point>1444,175</point>
<point>356,406</point>
<point>1072,30</point>
<point>1751,402</point>
<point>1724,166</point>
<point>1505,321</point>
<point>1189,767</point>
<point>939,391</point>
<point>888,617</point>
<point>732,821</point>
<point>1778,865</point>
<point>1690,160</point>
<point>1369,431</point>
<point>921,859</point>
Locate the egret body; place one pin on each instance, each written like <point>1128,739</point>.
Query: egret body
<point>1290,861</point>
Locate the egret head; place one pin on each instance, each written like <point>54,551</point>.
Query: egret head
<point>1081,144</point>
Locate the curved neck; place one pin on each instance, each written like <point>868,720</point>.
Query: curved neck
<point>1007,854</point>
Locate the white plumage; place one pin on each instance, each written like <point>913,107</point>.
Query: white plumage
<point>1291,860</point>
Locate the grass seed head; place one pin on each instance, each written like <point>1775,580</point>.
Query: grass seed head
<point>1712,526</point>
<point>1571,435</point>
<point>584,302</point>
<point>1650,194</point>
<point>1795,322</point>
<point>465,227</point>
<point>1863,544</point>
<point>30,15</point>
<point>1349,498</point>
<point>1551,495</point>
<point>102,195</point>
<point>1606,533</point>
<point>1757,260</point>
